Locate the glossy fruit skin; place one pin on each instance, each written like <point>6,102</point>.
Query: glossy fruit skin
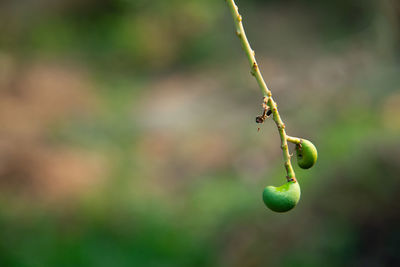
<point>306,154</point>
<point>282,198</point>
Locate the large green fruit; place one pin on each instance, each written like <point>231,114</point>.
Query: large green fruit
<point>306,154</point>
<point>282,198</point>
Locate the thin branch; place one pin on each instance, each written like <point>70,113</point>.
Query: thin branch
<point>268,100</point>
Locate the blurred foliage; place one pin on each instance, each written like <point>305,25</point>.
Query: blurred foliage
<point>127,134</point>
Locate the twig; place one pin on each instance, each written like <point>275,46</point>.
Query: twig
<point>268,100</point>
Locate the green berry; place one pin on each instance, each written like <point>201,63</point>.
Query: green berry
<point>282,198</point>
<point>306,154</point>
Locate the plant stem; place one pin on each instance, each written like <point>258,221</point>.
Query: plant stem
<point>294,140</point>
<point>268,100</point>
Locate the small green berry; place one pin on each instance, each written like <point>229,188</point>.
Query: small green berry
<point>306,154</point>
<point>282,198</point>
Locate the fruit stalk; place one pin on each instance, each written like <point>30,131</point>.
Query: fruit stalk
<point>268,100</point>
<point>294,140</point>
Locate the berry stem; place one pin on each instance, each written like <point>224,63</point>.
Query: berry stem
<point>294,140</point>
<point>268,100</point>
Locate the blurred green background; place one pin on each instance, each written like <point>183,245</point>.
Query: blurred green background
<point>127,133</point>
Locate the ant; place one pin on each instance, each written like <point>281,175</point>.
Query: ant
<point>266,113</point>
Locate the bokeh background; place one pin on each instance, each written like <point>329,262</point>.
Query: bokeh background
<point>128,135</point>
